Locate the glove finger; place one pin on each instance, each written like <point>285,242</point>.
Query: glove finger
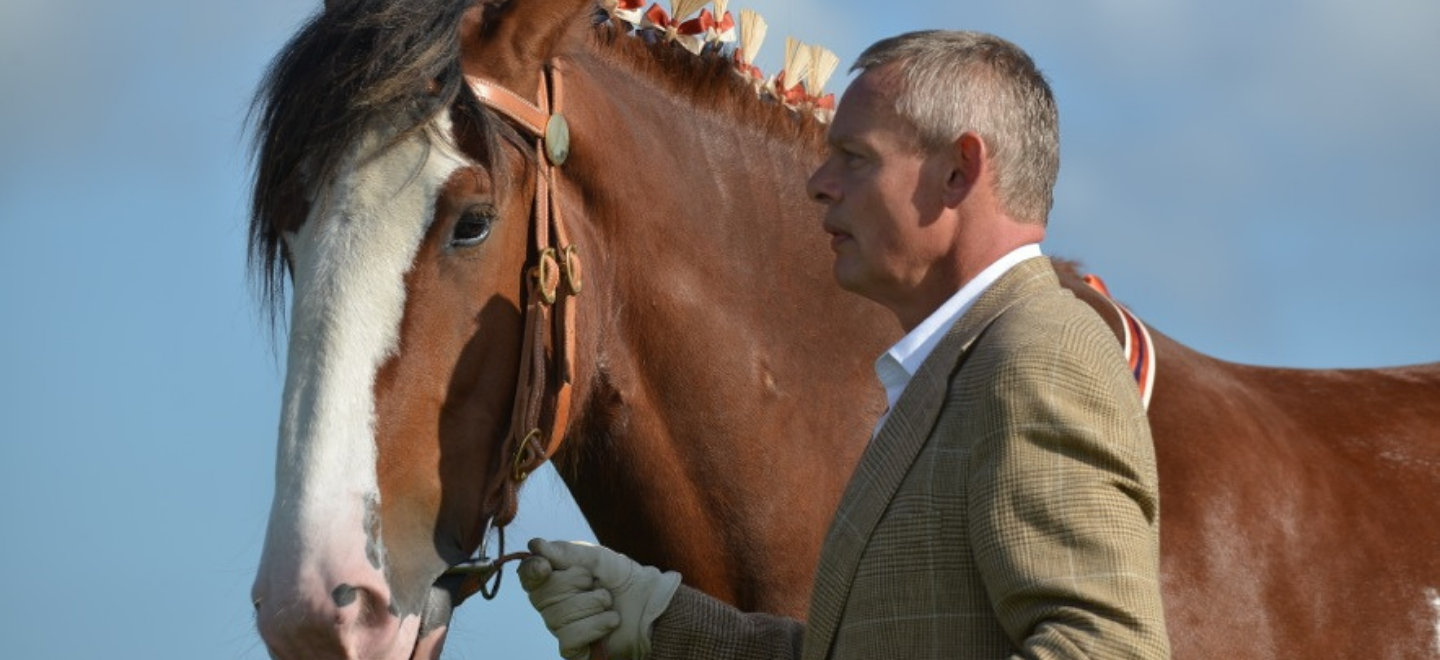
<point>561,554</point>
<point>561,585</point>
<point>576,609</point>
<point>533,572</point>
<point>611,568</point>
<point>575,639</point>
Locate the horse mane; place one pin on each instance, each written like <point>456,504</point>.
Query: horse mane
<point>1066,267</point>
<point>373,62</point>
<point>349,67</point>
<point>709,80</point>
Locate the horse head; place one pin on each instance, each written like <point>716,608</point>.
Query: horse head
<point>401,210</point>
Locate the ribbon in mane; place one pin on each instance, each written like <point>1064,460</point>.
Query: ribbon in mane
<point>799,85</point>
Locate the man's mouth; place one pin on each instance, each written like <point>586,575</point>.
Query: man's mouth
<point>837,237</point>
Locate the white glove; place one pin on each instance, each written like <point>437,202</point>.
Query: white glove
<point>586,593</point>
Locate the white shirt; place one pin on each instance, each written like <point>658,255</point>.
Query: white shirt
<point>898,365</point>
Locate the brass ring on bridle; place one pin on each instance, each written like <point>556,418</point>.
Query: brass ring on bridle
<point>570,266</point>
<point>546,274</point>
<point>525,455</point>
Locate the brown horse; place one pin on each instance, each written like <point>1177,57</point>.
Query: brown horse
<point>712,385</point>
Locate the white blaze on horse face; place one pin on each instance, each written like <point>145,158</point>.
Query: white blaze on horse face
<point>349,261</point>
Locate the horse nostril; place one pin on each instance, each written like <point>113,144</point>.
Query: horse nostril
<point>361,605</point>
<point>344,595</point>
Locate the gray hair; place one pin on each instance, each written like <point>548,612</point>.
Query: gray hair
<point>953,82</point>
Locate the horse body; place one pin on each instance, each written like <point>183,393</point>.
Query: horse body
<point>722,383</point>
<point>699,395</point>
<point>1297,506</point>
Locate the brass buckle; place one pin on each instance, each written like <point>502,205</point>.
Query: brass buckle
<point>524,456</point>
<point>547,276</point>
<point>570,266</point>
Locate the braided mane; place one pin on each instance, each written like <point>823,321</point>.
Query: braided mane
<point>380,62</point>
<point>709,79</point>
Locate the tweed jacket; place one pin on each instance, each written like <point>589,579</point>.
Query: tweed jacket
<point>1007,508</point>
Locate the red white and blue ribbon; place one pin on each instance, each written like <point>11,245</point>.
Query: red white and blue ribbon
<point>1139,348</point>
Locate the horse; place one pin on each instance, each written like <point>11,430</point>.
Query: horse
<point>518,230</point>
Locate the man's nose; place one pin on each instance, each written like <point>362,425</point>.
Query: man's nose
<point>820,187</point>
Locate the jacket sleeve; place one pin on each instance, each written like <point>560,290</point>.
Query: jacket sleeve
<point>698,627</point>
<point>1063,500</point>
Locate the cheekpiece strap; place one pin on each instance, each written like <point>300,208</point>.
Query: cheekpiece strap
<point>553,278</point>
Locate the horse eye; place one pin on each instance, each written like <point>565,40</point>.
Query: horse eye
<point>473,227</point>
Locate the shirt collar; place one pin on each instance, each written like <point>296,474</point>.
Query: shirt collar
<point>898,365</point>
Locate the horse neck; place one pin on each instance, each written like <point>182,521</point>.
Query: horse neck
<point>725,381</point>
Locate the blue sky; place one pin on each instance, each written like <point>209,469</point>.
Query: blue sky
<point>1256,179</point>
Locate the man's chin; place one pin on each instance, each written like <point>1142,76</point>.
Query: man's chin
<point>847,277</point>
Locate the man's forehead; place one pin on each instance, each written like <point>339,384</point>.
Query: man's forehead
<point>888,78</point>
<point>881,84</point>
<point>867,105</point>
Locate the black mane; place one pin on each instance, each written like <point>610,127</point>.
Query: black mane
<point>371,61</point>
<point>349,66</point>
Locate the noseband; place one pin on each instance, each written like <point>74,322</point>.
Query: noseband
<point>553,279</point>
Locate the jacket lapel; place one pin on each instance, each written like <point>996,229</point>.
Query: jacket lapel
<point>890,454</point>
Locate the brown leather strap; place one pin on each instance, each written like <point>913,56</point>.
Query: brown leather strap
<point>569,259</point>
<point>552,280</point>
<point>510,104</point>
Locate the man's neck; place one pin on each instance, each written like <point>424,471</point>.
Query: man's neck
<point>948,278</point>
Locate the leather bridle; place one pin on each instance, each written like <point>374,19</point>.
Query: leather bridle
<point>552,279</point>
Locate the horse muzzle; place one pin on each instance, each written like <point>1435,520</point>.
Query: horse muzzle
<point>351,623</point>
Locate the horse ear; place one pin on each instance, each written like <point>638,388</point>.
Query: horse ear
<point>509,41</point>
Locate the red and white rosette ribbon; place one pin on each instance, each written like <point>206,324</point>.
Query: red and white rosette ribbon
<point>676,28</point>
<point>630,11</point>
<point>710,30</point>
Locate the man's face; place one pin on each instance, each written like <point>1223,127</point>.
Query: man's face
<point>882,198</point>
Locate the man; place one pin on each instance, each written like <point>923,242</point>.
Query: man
<point>1007,505</point>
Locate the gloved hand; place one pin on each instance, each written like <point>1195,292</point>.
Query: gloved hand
<point>586,593</point>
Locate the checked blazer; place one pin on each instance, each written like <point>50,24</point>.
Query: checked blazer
<point>1007,508</point>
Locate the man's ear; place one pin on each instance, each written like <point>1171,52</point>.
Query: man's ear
<point>968,161</point>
